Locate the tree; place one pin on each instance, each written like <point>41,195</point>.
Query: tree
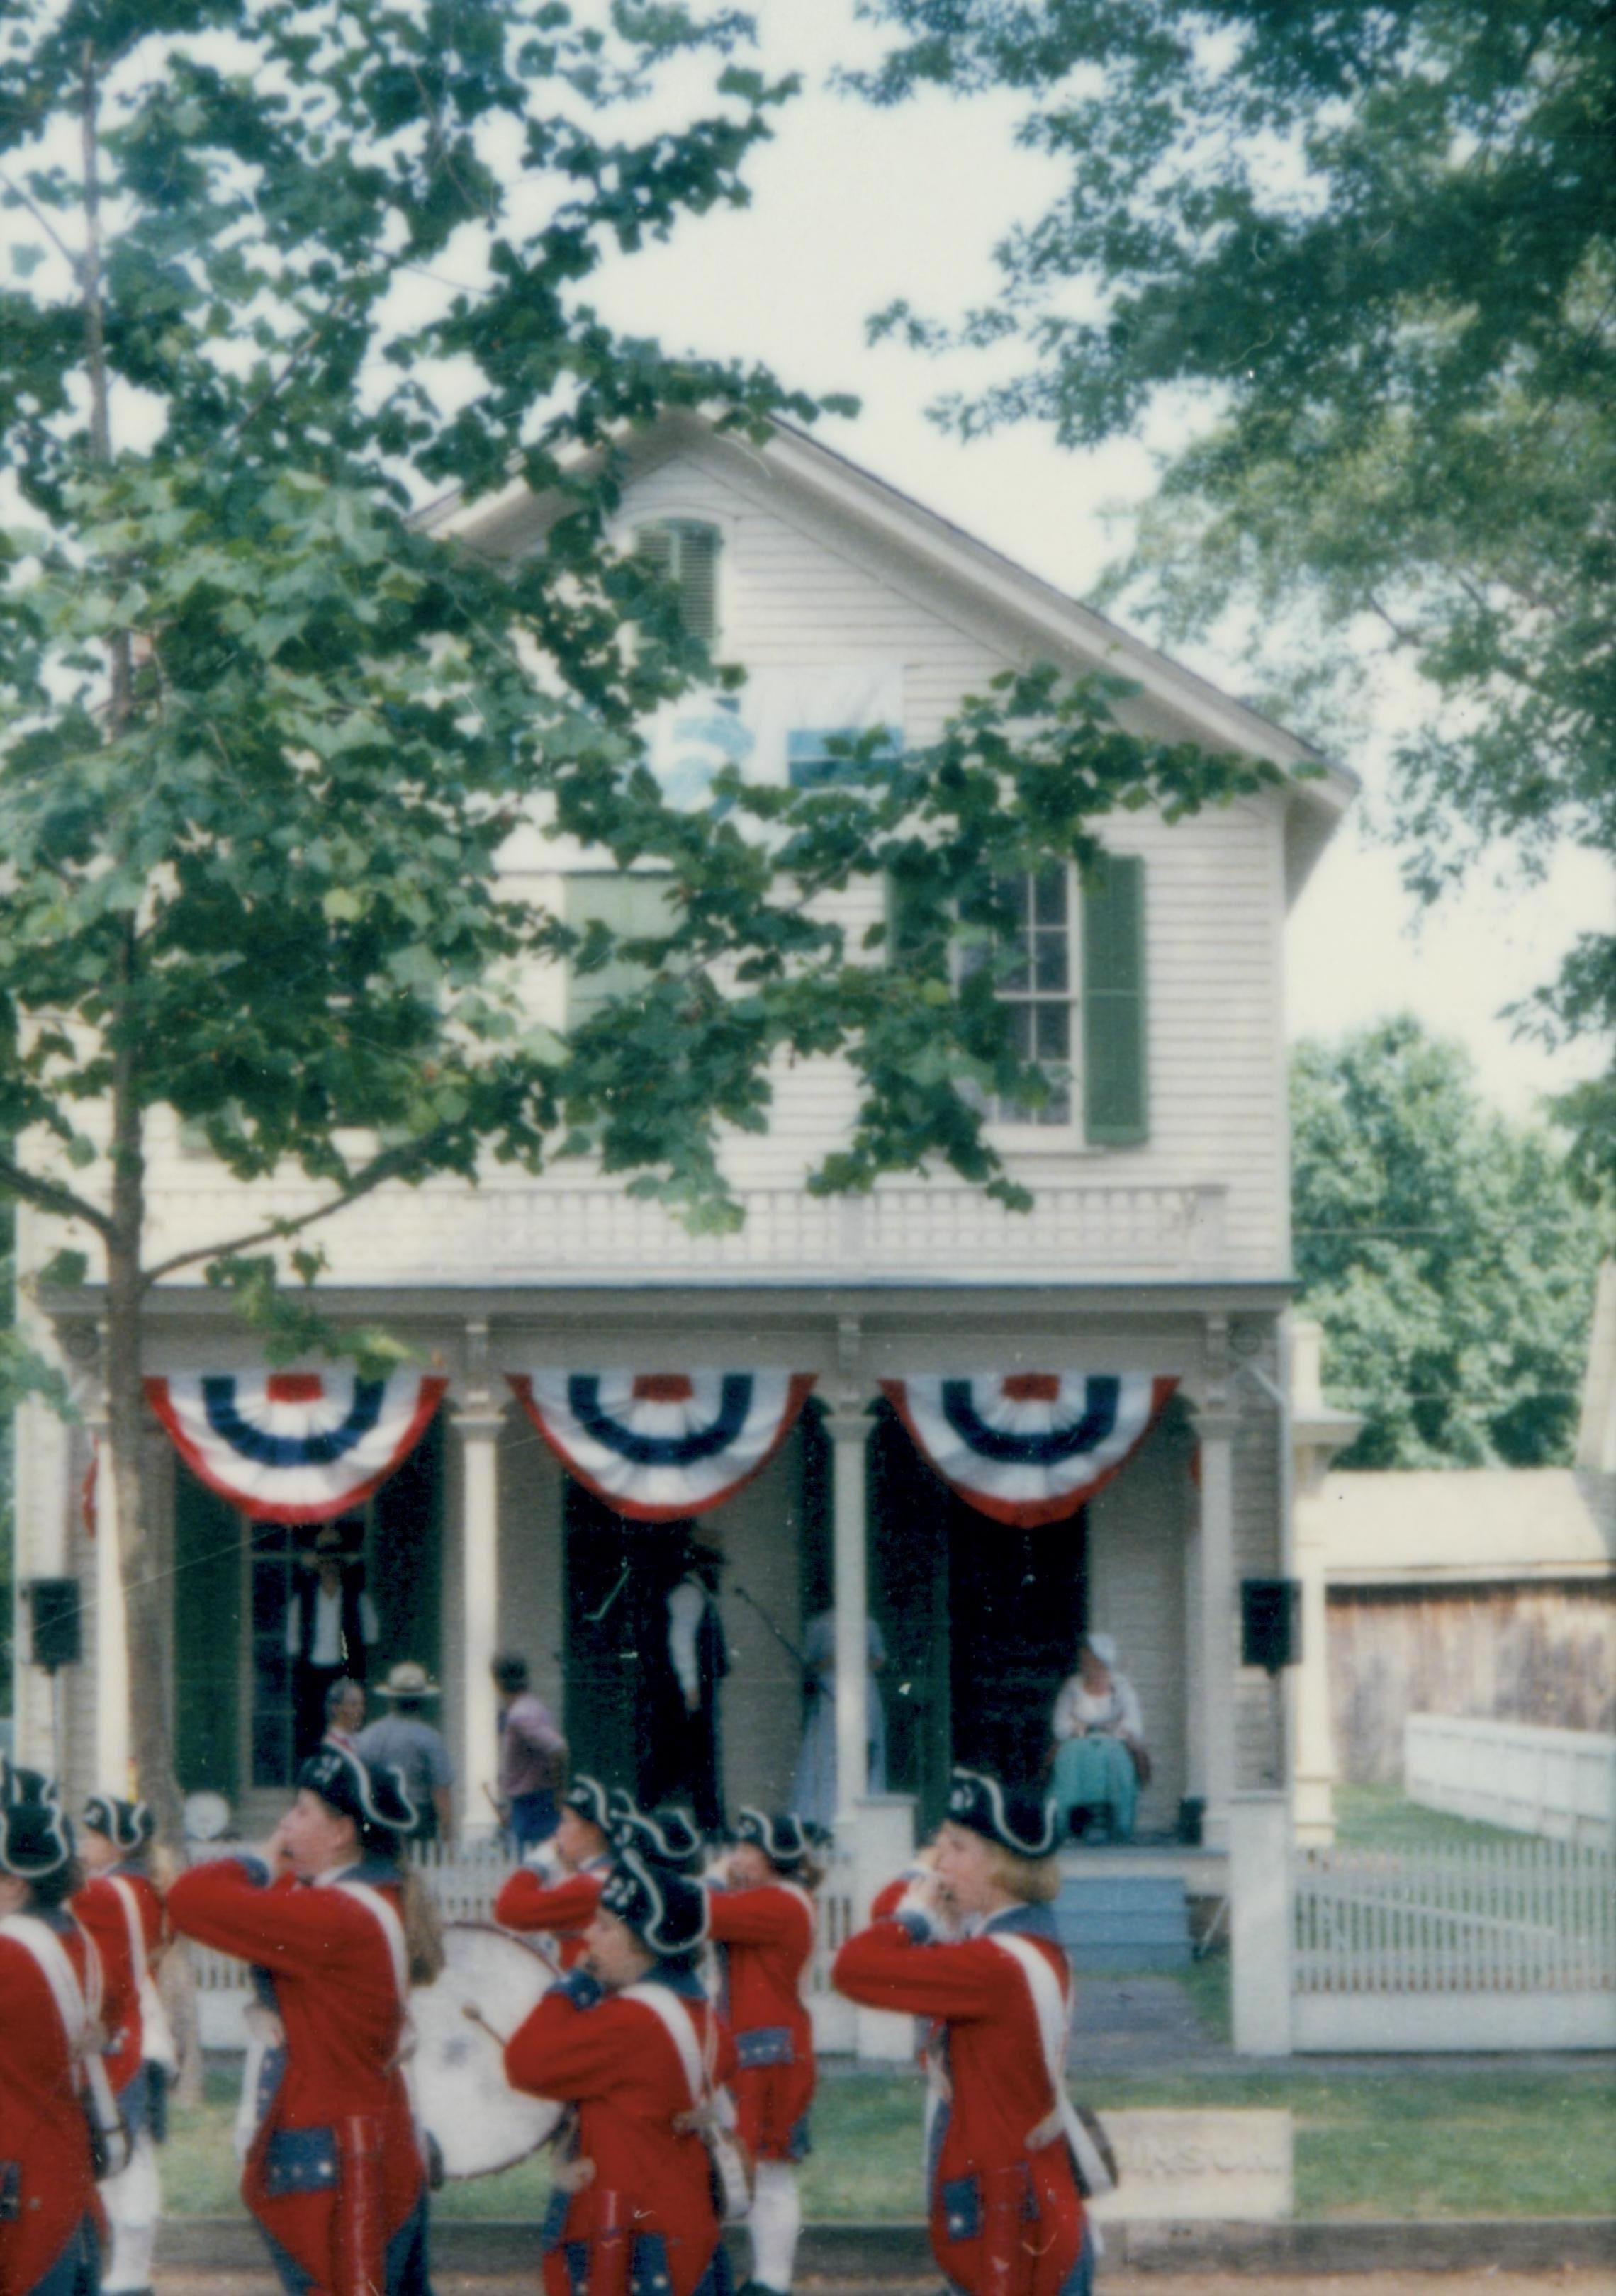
<point>1445,1254</point>
<point>266,734</point>
<point>1370,253</point>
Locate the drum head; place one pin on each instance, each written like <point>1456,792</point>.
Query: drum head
<point>479,2122</point>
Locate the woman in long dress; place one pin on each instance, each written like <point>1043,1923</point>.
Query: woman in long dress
<point>1099,1758</point>
<point>814,1786</point>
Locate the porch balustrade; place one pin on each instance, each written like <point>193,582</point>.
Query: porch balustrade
<point>543,1232</point>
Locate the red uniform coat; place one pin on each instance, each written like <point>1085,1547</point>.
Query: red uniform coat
<point>337,1996</point>
<point>564,1909</point>
<point>45,2137</point>
<point>993,2054</point>
<point>616,2061</point>
<point>99,1908</point>
<point>767,1934</point>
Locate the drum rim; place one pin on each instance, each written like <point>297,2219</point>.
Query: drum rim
<point>498,2167</point>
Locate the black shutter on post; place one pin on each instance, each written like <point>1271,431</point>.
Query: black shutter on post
<point>1115,1104</point>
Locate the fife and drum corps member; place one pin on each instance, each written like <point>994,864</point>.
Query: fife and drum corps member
<point>973,1947</point>
<point>336,2174</point>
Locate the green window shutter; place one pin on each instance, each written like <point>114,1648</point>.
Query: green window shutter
<point>206,1586</point>
<point>682,550</point>
<point>629,906</point>
<point>1115,1104</point>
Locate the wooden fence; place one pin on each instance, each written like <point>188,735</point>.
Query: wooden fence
<point>1502,1945</point>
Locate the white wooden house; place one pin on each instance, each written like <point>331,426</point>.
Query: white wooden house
<point>1158,1246</point>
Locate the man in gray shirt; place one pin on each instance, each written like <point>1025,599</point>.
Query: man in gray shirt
<point>407,1740</point>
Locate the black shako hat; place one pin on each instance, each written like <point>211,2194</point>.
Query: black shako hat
<point>36,1839</point>
<point>780,1835</point>
<point>588,1797</point>
<point>374,1798</point>
<point>667,1912</point>
<point>1021,1823</point>
<point>129,1825</point>
<point>18,1785</point>
<point>667,1838</point>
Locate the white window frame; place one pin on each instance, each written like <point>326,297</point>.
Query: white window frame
<point>1018,1137</point>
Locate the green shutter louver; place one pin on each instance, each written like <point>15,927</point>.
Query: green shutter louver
<point>631,907</point>
<point>685,551</point>
<point>1115,1105</point>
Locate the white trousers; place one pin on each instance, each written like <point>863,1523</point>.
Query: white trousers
<point>133,2201</point>
<point>775,2220</point>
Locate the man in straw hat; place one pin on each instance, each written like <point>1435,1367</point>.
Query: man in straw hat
<point>335,2173</point>
<point>407,1742</point>
<point>49,2003</point>
<point>973,1947</point>
<point>122,1909</point>
<point>631,2042</point>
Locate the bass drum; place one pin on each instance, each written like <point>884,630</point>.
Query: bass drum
<point>489,1983</point>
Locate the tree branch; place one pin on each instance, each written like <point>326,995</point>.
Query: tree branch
<point>26,199</point>
<point>51,1196</point>
<point>392,1164</point>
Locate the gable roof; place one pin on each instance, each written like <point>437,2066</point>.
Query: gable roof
<point>1032,617</point>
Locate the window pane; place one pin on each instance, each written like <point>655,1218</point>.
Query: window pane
<point>1054,1031</point>
<point>1049,898</point>
<point>1049,961</point>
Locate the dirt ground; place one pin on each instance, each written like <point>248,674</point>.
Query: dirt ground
<point>1586,2282</point>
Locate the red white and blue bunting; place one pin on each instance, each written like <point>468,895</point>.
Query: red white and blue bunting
<point>1033,1447</point>
<point>294,1446</point>
<point>658,1445</point>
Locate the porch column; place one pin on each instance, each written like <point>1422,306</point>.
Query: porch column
<point>847,1426</point>
<point>112,1637</point>
<point>478,1424</point>
<point>1317,1433</point>
<point>1214,1612</point>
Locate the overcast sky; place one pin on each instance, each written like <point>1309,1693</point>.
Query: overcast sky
<point>852,207</point>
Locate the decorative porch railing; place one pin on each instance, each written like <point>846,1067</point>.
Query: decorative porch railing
<point>542,1230</point>
<point>1492,1918</point>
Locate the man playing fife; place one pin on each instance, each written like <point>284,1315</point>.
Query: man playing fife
<point>335,2175</point>
<point>973,1947</point>
<point>563,1910</point>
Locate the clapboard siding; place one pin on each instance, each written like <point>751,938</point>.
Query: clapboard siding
<point>1138,1529</point>
<point>1259,1752</point>
<point>792,593</point>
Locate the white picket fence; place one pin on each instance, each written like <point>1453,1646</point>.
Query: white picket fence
<point>1507,1945</point>
<point>1560,1783</point>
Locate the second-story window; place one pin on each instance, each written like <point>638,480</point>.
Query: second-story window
<point>1036,984</point>
<point>685,550</point>
<point>1073,975</point>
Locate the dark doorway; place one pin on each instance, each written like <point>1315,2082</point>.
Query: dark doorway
<point>981,1622</point>
<point>619,1675</point>
<point>1016,1609</point>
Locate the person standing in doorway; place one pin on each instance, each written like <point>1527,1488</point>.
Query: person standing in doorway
<point>330,1630</point>
<point>682,1756</point>
<point>532,1756</point>
<point>407,1742</point>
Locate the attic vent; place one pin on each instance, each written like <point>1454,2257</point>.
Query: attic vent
<point>685,551</point>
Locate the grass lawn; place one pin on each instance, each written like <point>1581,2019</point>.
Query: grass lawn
<point>1383,1817</point>
<point>1368,2144</point>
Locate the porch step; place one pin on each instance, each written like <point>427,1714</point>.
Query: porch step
<point>1122,1921</point>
